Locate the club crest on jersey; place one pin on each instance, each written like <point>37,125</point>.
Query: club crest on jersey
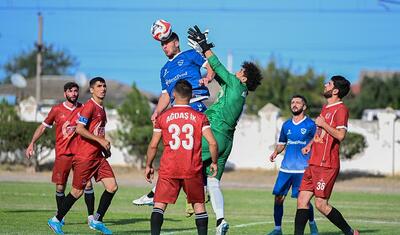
<point>303,131</point>
<point>180,62</point>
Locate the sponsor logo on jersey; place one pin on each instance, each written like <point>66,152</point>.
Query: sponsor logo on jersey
<point>327,115</point>
<point>165,72</point>
<point>295,142</point>
<point>176,78</point>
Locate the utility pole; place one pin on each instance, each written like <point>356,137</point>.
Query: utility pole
<point>39,46</point>
<point>230,62</point>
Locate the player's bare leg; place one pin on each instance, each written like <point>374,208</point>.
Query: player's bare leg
<point>302,215</point>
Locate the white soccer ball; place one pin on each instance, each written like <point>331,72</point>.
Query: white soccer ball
<point>161,30</point>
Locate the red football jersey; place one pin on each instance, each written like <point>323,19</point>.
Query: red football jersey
<point>326,151</point>
<point>182,129</point>
<point>93,116</point>
<point>64,118</point>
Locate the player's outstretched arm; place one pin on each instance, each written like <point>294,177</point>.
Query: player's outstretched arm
<point>38,133</point>
<point>150,155</point>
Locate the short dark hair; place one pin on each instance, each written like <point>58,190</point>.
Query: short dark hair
<point>253,75</point>
<point>300,97</point>
<point>70,85</point>
<point>184,89</point>
<point>171,38</point>
<point>342,84</point>
<point>96,79</point>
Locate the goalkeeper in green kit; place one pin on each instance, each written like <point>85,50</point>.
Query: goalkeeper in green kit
<point>223,115</point>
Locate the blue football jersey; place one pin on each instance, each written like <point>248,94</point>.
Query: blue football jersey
<point>296,136</point>
<point>185,65</point>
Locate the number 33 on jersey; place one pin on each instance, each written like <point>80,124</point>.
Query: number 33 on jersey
<point>181,128</point>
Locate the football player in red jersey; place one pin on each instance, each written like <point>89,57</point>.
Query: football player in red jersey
<point>181,129</point>
<point>64,116</point>
<point>89,160</point>
<point>324,163</point>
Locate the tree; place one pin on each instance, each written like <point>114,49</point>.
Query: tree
<point>376,93</point>
<point>15,136</point>
<point>351,145</point>
<point>280,84</point>
<point>136,127</point>
<point>55,62</point>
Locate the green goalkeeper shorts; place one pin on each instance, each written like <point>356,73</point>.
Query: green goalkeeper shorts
<point>224,149</point>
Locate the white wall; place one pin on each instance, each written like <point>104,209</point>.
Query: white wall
<point>255,138</point>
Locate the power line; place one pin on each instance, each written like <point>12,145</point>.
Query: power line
<point>202,10</point>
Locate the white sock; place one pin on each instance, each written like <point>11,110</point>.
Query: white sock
<point>216,197</point>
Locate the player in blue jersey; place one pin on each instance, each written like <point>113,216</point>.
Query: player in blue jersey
<point>182,65</point>
<point>296,136</point>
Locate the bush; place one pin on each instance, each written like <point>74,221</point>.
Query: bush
<point>351,145</point>
<point>15,136</point>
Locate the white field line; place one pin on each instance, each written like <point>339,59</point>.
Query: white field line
<point>271,222</point>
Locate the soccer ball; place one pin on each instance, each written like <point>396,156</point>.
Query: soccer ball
<point>161,30</point>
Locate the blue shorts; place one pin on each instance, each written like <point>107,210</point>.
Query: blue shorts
<point>285,181</point>
<point>198,106</point>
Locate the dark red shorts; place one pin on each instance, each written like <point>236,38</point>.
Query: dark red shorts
<point>319,180</point>
<point>167,189</point>
<point>85,168</point>
<point>61,169</point>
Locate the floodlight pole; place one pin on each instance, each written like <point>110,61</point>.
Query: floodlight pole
<point>39,46</point>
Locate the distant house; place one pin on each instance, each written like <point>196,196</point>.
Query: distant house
<point>52,90</point>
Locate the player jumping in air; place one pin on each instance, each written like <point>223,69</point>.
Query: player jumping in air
<point>223,115</point>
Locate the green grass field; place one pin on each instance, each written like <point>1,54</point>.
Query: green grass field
<point>25,208</point>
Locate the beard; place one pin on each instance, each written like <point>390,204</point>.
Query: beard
<point>71,99</point>
<point>297,112</point>
<point>328,94</point>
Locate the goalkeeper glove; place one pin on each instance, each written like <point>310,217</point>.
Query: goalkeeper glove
<point>200,38</point>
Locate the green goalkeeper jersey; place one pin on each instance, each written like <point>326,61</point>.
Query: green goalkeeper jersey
<point>225,112</point>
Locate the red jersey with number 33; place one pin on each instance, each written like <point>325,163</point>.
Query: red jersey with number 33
<point>64,118</point>
<point>93,116</point>
<point>325,148</point>
<point>182,129</point>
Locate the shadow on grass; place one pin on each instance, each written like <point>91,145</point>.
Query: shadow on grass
<point>162,230</point>
<point>29,211</point>
<point>348,175</point>
<point>366,231</point>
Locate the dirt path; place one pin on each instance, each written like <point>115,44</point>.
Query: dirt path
<point>255,179</point>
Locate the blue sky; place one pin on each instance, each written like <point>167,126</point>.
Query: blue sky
<point>112,38</point>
